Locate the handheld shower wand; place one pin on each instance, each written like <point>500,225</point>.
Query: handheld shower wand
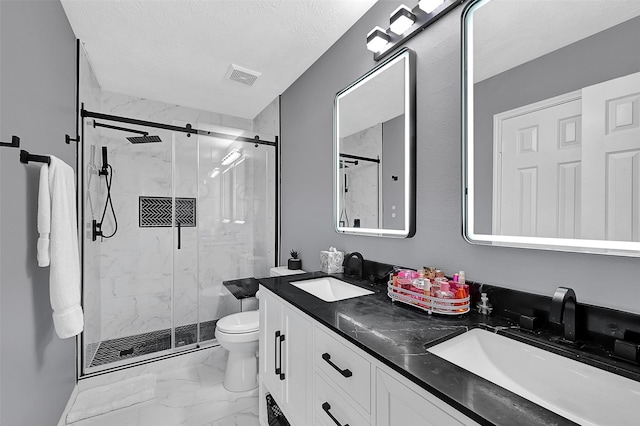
<point>107,172</point>
<point>104,171</point>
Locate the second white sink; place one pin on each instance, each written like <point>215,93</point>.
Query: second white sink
<point>577,391</point>
<point>330,289</point>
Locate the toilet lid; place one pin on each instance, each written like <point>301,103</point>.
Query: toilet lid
<point>242,322</point>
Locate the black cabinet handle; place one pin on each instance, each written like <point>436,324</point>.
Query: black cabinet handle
<point>280,369</point>
<point>345,373</point>
<point>326,407</point>
<point>275,352</point>
<point>179,235</point>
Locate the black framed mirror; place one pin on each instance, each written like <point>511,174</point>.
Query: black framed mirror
<point>374,151</point>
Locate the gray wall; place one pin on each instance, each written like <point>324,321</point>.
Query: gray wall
<point>37,82</point>
<point>584,63</point>
<point>306,181</point>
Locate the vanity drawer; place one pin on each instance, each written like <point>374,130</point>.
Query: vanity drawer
<point>328,403</point>
<point>349,370</point>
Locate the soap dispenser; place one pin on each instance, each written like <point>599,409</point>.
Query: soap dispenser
<point>484,307</point>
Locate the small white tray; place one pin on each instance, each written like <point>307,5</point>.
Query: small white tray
<point>427,303</point>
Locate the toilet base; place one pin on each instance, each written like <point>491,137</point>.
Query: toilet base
<point>242,372</point>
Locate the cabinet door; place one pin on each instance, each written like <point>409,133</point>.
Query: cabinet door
<point>398,405</point>
<point>297,366</point>
<point>270,345</point>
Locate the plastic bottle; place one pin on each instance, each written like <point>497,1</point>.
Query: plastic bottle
<point>445,292</point>
<point>435,286</point>
<point>417,286</point>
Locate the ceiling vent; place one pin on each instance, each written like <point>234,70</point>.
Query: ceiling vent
<point>242,75</point>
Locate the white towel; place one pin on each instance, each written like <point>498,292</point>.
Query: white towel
<point>44,217</point>
<point>58,245</point>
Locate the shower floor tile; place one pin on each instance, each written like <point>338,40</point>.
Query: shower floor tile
<point>188,396</point>
<point>113,350</point>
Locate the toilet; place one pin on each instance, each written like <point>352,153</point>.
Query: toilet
<point>238,333</point>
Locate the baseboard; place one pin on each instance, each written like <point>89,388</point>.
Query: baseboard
<point>67,408</point>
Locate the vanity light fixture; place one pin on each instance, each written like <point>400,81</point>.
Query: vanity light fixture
<point>429,6</point>
<point>377,39</point>
<point>232,156</point>
<point>401,20</point>
<point>406,23</point>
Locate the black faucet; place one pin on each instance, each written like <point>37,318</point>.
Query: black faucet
<point>563,311</point>
<point>347,261</point>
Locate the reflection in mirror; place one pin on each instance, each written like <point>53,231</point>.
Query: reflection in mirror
<point>374,145</point>
<point>552,124</point>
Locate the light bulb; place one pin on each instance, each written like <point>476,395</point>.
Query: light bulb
<point>232,156</point>
<point>401,20</point>
<point>377,39</point>
<point>429,6</point>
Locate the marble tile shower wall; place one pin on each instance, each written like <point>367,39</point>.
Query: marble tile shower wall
<point>137,266</point>
<point>363,179</point>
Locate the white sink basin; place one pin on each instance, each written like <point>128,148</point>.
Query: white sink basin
<point>330,289</point>
<point>579,392</point>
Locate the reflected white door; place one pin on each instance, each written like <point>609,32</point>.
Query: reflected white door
<point>611,159</point>
<point>537,176</point>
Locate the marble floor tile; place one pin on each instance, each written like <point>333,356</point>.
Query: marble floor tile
<point>188,396</point>
<point>105,399</point>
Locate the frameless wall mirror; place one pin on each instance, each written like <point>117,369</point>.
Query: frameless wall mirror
<point>374,151</point>
<point>551,122</point>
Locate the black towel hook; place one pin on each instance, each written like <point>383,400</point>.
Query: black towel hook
<point>15,142</point>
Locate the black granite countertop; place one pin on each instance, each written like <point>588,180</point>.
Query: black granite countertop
<point>399,335</point>
<point>242,288</point>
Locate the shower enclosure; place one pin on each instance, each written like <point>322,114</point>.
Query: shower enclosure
<point>194,206</point>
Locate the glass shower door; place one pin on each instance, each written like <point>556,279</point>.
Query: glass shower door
<point>236,220</point>
<point>192,211</point>
<point>186,206</point>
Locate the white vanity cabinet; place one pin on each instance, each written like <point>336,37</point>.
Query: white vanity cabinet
<point>342,381</point>
<point>328,381</point>
<point>399,402</point>
<point>285,349</point>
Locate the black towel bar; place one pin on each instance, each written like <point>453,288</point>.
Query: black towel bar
<point>25,158</point>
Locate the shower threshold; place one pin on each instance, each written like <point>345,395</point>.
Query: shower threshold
<point>113,350</point>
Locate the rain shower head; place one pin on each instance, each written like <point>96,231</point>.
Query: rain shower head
<point>144,139</point>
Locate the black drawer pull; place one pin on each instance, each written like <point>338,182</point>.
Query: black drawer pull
<point>280,369</point>
<point>275,352</point>
<point>326,407</point>
<point>345,373</point>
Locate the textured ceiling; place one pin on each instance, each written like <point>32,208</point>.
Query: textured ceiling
<point>508,33</point>
<point>179,51</point>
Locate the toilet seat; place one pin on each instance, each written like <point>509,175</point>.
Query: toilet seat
<point>242,322</point>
